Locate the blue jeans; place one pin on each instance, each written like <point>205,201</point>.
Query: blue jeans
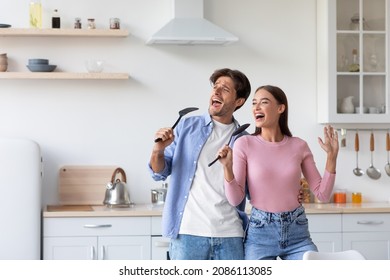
<point>284,235</point>
<point>190,247</point>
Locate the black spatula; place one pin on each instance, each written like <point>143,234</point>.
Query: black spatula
<point>181,114</point>
<point>237,131</point>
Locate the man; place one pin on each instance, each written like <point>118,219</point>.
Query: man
<point>197,217</point>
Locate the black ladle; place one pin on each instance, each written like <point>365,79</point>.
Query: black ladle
<point>236,132</point>
<point>181,114</point>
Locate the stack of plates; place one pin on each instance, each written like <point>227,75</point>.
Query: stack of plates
<point>40,65</point>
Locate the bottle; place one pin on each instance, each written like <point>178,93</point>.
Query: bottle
<point>355,22</point>
<point>77,23</point>
<point>56,20</point>
<point>305,191</point>
<point>354,67</point>
<point>35,14</point>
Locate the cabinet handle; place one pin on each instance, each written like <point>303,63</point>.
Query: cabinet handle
<point>370,222</point>
<point>98,226</point>
<point>161,244</point>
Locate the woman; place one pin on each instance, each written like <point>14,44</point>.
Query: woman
<point>272,162</point>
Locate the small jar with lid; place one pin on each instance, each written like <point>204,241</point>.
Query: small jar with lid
<point>340,196</point>
<point>357,197</point>
<point>91,23</point>
<point>115,23</point>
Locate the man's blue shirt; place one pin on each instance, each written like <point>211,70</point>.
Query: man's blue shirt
<point>181,158</point>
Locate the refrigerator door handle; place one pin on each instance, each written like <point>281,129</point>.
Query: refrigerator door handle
<point>102,252</point>
<point>92,252</point>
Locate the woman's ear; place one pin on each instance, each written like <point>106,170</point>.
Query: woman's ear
<point>281,109</point>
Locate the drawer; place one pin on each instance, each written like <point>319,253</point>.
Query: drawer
<point>366,222</point>
<point>324,222</point>
<point>100,226</point>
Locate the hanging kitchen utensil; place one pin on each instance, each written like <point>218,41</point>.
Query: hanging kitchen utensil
<point>236,132</point>
<point>387,166</point>
<point>373,172</point>
<point>181,114</point>
<point>343,134</point>
<point>357,171</point>
<point>116,192</point>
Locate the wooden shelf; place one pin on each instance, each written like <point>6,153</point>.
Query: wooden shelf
<point>63,76</point>
<point>49,32</point>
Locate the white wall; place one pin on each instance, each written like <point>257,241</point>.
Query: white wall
<point>113,122</point>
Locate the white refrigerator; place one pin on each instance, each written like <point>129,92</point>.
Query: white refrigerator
<point>20,193</point>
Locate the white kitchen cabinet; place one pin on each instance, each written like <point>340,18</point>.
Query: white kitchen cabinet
<point>353,32</point>
<point>160,248</point>
<point>325,230</point>
<point>69,248</point>
<point>367,233</point>
<point>159,244</point>
<point>98,238</point>
<point>97,248</point>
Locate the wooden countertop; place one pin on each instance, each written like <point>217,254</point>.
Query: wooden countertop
<point>147,210</point>
<point>347,208</point>
<point>136,210</point>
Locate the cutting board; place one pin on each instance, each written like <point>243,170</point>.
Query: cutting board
<point>83,184</point>
<point>57,208</point>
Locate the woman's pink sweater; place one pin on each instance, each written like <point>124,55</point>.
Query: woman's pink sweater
<point>273,171</point>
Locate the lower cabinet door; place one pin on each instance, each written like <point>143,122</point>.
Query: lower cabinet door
<point>124,248</point>
<point>70,248</point>
<point>327,242</point>
<point>372,245</point>
<point>97,248</point>
<point>160,248</point>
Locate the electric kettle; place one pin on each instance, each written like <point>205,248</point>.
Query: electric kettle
<point>116,192</point>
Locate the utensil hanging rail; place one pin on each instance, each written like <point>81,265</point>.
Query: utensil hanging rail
<point>363,129</point>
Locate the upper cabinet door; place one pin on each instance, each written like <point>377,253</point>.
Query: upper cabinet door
<point>352,51</point>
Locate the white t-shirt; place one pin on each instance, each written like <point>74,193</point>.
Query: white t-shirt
<point>207,212</point>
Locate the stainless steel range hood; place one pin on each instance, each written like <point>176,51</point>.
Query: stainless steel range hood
<point>188,27</point>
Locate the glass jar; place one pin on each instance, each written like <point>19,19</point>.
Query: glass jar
<point>355,23</point>
<point>305,191</point>
<point>115,23</point>
<point>356,197</point>
<point>340,196</point>
<point>36,14</point>
<point>91,23</point>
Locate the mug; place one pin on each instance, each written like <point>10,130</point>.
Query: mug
<point>373,110</point>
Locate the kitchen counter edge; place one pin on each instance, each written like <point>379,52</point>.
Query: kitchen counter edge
<point>148,210</point>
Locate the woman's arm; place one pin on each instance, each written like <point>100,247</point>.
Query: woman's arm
<point>235,191</point>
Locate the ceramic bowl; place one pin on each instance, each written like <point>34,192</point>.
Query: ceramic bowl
<point>38,61</point>
<point>41,67</point>
<point>94,66</point>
